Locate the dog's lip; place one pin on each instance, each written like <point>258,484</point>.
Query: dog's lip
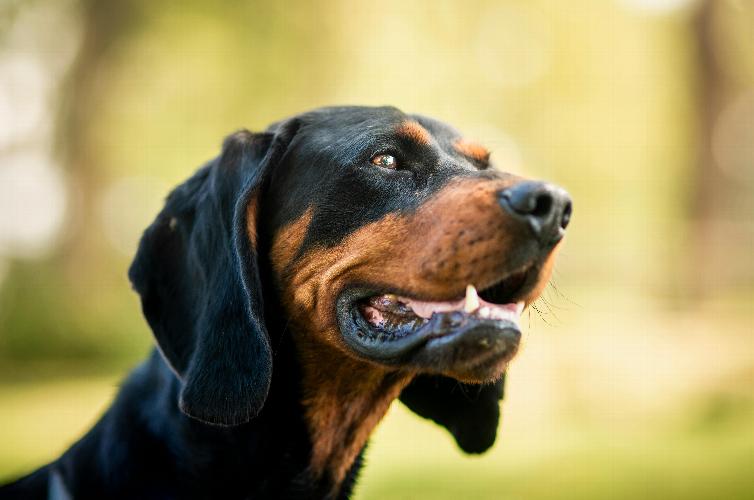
<point>440,331</point>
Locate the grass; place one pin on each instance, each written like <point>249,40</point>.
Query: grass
<point>40,419</point>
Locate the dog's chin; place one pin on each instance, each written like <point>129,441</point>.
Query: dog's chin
<point>470,338</point>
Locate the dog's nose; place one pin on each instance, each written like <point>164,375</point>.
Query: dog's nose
<point>545,207</point>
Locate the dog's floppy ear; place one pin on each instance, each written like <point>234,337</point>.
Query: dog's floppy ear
<point>470,412</point>
<point>196,271</point>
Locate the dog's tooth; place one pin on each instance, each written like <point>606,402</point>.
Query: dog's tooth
<point>520,307</point>
<point>485,312</point>
<point>471,303</point>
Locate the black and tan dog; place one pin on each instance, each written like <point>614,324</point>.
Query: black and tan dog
<point>297,285</point>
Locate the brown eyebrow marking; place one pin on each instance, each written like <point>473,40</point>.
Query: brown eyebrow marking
<point>472,149</point>
<point>412,130</point>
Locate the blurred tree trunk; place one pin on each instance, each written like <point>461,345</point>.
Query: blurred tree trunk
<point>706,189</point>
<point>721,230</point>
<point>56,307</point>
<point>104,23</point>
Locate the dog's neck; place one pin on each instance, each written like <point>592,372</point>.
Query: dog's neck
<point>332,405</point>
<point>344,399</point>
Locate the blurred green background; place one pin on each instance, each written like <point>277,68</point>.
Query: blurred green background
<point>637,375</point>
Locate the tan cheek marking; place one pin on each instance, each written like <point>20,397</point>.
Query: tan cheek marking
<point>323,269</point>
<point>472,150</point>
<point>453,228</point>
<point>414,131</point>
<point>288,240</point>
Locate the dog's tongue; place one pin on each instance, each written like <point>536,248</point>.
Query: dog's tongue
<point>472,303</point>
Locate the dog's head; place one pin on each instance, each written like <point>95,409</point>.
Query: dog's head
<point>389,238</point>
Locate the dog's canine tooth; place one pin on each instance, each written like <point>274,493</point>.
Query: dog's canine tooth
<point>471,303</point>
<point>520,308</point>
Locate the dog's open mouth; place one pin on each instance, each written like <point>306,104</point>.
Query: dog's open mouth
<point>391,327</point>
<point>392,317</point>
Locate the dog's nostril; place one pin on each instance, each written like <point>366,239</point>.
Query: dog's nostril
<point>566,217</point>
<point>542,205</point>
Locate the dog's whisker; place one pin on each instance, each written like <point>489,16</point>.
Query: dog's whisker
<point>550,309</point>
<point>561,294</point>
<point>540,313</point>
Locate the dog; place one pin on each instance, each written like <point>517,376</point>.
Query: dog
<point>299,283</point>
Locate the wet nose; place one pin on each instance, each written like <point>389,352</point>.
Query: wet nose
<point>546,208</point>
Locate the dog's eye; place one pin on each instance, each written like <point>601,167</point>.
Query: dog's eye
<point>385,161</point>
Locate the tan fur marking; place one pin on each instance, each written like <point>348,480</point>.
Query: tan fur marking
<point>343,404</point>
<point>453,239</point>
<point>472,149</point>
<point>414,131</point>
<point>288,240</point>
<point>251,219</point>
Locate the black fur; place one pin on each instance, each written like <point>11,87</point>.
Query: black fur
<point>209,417</point>
<point>470,412</point>
<point>198,278</point>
